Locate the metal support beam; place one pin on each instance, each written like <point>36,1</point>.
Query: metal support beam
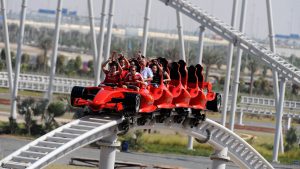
<point>109,28</point>
<point>93,35</point>
<point>180,35</point>
<point>279,119</point>
<point>288,123</point>
<point>219,158</point>
<point>240,120</point>
<point>101,42</point>
<point>18,59</point>
<point>275,73</point>
<point>201,42</point>
<point>237,69</point>
<point>229,63</point>
<point>146,26</point>
<point>108,152</point>
<point>190,143</point>
<point>7,46</point>
<point>54,50</point>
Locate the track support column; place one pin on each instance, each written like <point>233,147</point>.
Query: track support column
<point>101,42</point>
<point>240,120</point>
<point>279,120</point>
<point>180,35</point>
<point>219,158</point>
<point>190,143</point>
<point>7,52</point>
<point>54,50</point>
<point>228,65</point>
<point>18,59</point>
<point>108,152</point>
<point>146,26</point>
<point>201,42</point>
<point>109,28</point>
<point>93,35</point>
<point>237,70</point>
<point>288,123</point>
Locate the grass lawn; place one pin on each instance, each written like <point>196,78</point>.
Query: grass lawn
<point>176,144</point>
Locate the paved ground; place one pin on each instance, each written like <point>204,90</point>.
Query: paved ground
<point>9,144</point>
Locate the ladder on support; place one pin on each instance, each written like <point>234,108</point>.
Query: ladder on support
<point>239,39</point>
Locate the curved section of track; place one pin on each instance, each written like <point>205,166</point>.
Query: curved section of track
<point>239,151</point>
<point>79,133</point>
<point>61,141</point>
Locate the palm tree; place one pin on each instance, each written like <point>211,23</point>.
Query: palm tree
<point>55,109</point>
<point>45,43</point>
<point>211,57</point>
<point>27,108</point>
<point>252,65</point>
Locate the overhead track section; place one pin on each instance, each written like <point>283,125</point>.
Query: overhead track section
<point>61,141</point>
<point>239,151</point>
<point>239,39</point>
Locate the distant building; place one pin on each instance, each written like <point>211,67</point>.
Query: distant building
<point>65,12</point>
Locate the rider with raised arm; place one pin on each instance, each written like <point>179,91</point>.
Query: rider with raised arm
<point>112,75</point>
<point>158,71</point>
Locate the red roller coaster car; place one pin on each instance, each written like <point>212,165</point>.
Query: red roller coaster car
<point>186,90</point>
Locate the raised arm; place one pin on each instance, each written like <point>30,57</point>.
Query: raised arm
<point>119,67</point>
<point>127,64</point>
<point>104,69</point>
<point>166,77</point>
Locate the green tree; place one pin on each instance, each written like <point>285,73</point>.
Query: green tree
<point>2,59</point>
<point>291,138</point>
<point>45,43</point>
<point>3,55</point>
<point>40,62</point>
<point>91,68</point>
<point>25,58</point>
<point>26,108</point>
<point>295,89</point>
<point>78,63</point>
<point>70,68</point>
<point>25,62</point>
<point>60,64</point>
<point>55,109</point>
<point>210,57</point>
<point>252,65</point>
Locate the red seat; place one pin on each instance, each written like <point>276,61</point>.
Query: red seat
<point>181,96</point>
<point>204,85</point>
<point>198,100</point>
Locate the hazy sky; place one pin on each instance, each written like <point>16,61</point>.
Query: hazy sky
<point>286,13</point>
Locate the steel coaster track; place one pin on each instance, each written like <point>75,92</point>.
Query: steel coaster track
<point>239,39</point>
<point>239,151</point>
<point>59,142</point>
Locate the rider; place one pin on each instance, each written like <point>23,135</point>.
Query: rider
<point>124,64</point>
<point>146,72</point>
<point>133,78</point>
<point>158,71</point>
<point>114,71</point>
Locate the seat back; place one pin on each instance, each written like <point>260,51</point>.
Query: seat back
<point>199,73</point>
<point>192,77</point>
<point>183,72</point>
<point>174,74</point>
